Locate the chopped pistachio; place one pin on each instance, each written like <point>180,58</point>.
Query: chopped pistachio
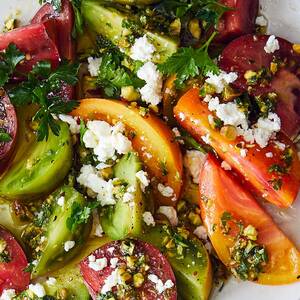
<point>250,232</point>
<point>229,132</point>
<point>129,93</point>
<point>195,29</point>
<point>138,280</point>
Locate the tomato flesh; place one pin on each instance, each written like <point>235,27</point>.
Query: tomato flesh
<point>158,264</point>
<point>12,275</point>
<point>238,21</point>
<point>221,193</point>
<point>35,42</point>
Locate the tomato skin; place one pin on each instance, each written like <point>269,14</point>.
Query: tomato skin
<point>63,28</point>
<point>9,123</point>
<point>159,266</point>
<point>238,21</point>
<point>221,193</point>
<point>12,275</point>
<point>153,141</point>
<point>34,41</point>
<point>255,166</point>
<point>247,53</point>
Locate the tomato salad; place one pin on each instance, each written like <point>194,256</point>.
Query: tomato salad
<point>138,142</point>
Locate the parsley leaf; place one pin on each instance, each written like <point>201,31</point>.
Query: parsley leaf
<point>113,75</point>
<point>4,136</point>
<point>8,62</point>
<point>42,87</point>
<point>188,62</point>
<point>56,4</point>
<point>80,214</point>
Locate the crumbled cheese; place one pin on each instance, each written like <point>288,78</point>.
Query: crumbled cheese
<point>111,250</point>
<point>113,262</point>
<point>225,165</point>
<point>61,201</point>
<point>8,294</point>
<point>279,145</point>
<point>142,176</point>
<point>37,289</point>
<point>89,177</point>
<point>94,65</point>
<point>106,140</point>
<point>269,154</point>
<point>243,152</point>
<point>111,281</point>
<point>170,212</point>
<point>73,125</point>
<point>193,161</point>
<point>69,245</point>
<point>213,103</point>
<point>159,285</point>
<point>181,116</point>
<point>206,138</point>
<point>98,264</point>
<point>261,21</point>
<point>272,45</point>
<point>51,281</point>
<point>148,218</point>
<point>151,92</point>
<point>98,230</point>
<point>201,232</point>
<point>166,191</point>
<point>220,81</point>
<point>142,49</point>
<point>129,194</point>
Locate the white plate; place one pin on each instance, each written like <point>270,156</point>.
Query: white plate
<point>284,21</point>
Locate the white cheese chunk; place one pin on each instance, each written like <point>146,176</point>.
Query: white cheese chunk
<point>69,245</point>
<point>37,289</point>
<point>170,212</point>
<point>272,45</point>
<point>94,65</point>
<point>142,49</point>
<point>148,218</point>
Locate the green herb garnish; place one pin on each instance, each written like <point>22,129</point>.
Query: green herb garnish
<point>4,136</point>
<point>56,4</point>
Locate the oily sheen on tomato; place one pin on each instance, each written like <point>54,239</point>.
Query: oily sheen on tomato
<point>151,138</point>
<point>62,29</point>
<point>9,124</point>
<point>248,53</point>
<point>224,199</point>
<point>12,265</point>
<point>137,257</point>
<point>255,167</point>
<point>239,20</point>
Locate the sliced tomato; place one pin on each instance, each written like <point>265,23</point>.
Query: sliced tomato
<point>9,125</point>
<point>255,166</point>
<point>12,275</point>
<point>152,139</point>
<point>220,193</point>
<point>247,53</point>
<point>238,21</point>
<point>35,42</point>
<point>64,25</point>
<point>155,261</point>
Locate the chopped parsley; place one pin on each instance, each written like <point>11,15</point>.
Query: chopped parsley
<point>188,62</point>
<point>4,136</point>
<point>276,183</point>
<point>42,87</point>
<point>9,59</point>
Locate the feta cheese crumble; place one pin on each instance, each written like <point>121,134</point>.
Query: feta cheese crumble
<point>142,176</point>
<point>142,49</point>
<point>51,281</point>
<point>112,280</point>
<point>201,232</point>
<point>148,218</point>
<point>106,140</point>
<point>151,92</point>
<point>220,81</point>
<point>113,262</point>
<point>170,212</point>
<point>97,264</point>
<point>8,294</point>
<point>261,21</point>
<point>69,245</point>
<point>73,125</point>
<point>37,289</point>
<point>272,45</point>
<point>94,65</point>
<point>166,191</point>
<point>225,165</point>
<point>193,161</point>
<point>61,201</point>
<point>159,285</point>
<point>269,154</point>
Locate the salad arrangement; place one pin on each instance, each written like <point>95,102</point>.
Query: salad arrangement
<point>139,139</point>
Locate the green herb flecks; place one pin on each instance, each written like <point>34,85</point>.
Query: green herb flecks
<point>188,63</point>
<point>9,59</point>
<point>4,136</point>
<point>56,4</point>
<point>42,87</point>
<point>276,183</point>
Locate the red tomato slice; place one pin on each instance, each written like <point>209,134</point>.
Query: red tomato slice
<point>221,193</point>
<point>247,53</point>
<point>255,166</point>
<point>9,124</point>
<point>35,42</point>
<point>12,275</point>
<point>158,265</point>
<point>64,26</point>
<point>239,21</point>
